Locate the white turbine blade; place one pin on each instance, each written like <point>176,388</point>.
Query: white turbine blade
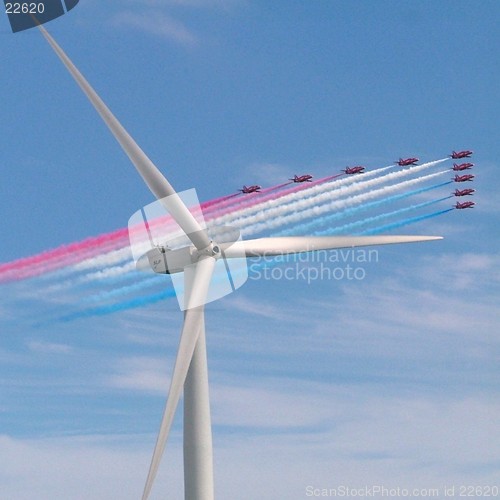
<point>297,244</point>
<point>153,178</point>
<point>198,281</point>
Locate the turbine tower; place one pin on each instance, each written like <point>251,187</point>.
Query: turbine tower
<point>198,261</point>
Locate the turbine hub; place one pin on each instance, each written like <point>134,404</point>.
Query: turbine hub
<point>212,250</point>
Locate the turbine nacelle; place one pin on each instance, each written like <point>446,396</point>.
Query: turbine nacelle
<point>164,260</point>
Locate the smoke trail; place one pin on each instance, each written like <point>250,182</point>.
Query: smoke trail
<point>122,255</point>
<point>120,306</point>
<point>329,231</point>
<point>256,201</point>
<point>376,218</point>
<point>404,222</point>
<point>274,188</point>
<point>110,260</point>
<point>71,254</point>
<point>268,216</point>
<point>110,272</point>
<point>62,256</point>
<point>230,200</point>
<point>105,259</point>
<point>88,243</point>
<point>287,201</point>
<point>115,257</point>
<point>125,290</point>
<point>219,201</point>
<point>151,299</point>
<point>294,193</point>
<point>316,211</point>
<point>328,219</point>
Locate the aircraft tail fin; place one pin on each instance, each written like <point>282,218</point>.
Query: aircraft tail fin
<point>26,15</point>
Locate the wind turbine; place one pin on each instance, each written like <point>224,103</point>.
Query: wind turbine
<point>197,261</point>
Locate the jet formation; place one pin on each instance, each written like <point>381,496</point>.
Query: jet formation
<point>402,162</point>
<point>460,167</point>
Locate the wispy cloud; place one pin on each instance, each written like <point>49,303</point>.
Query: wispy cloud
<point>366,439</point>
<point>49,347</point>
<point>57,468</point>
<point>464,270</point>
<point>257,308</point>
<point>157,23</point>
<point>145,374</point>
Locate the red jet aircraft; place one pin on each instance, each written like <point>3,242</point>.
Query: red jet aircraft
<point>250,189</point>
<point>463,178</point>
<point>461,154</point>
<point>462,166</point>
<point>354,170</point>
<point>465,204</point>
<point>302,178</point>
<point>404,162</point>
<point>464,192</point>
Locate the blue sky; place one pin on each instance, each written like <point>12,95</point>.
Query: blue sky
<point>390,380</point>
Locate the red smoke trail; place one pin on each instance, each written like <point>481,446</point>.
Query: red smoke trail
<point>62,256</point>
<point>230,200</point>
<point>67,255</point>
<point>254,200</point>
<point>218,201</point>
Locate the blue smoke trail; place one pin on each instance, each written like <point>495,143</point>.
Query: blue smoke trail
<point>119,279</point>
<point>120,306</point>
<point>125,290</point>
<point>376,218</point>
<point>169,293</point>
<point>404,222</point>
<point>308,226</point>
<point>153,298</point>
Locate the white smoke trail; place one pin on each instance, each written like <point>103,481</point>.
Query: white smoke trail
<point>126,290</point>
<point>336,204</point>
<point>72,275</point>
<point>110,272</point>
<point>270,217</point>
<point>274,213</point>
<point>286,219</point>
<point>296,195</point>
<point>369,220</point>
<point>106,259</point>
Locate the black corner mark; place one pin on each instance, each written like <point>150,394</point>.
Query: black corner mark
<point>70,4</point>
<point>24,15</point>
